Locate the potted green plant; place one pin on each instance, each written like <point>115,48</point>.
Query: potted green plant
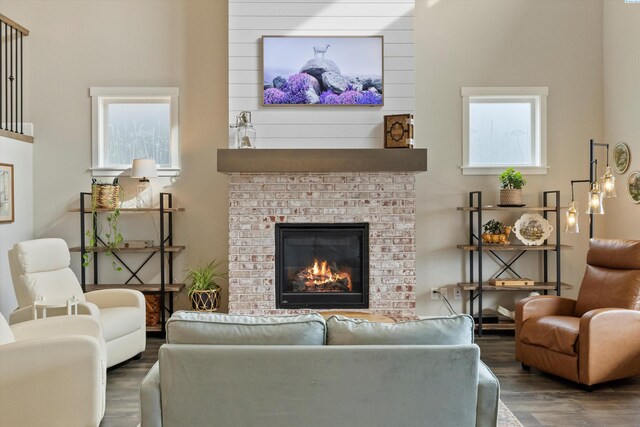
<point>203,291</point>
<point>105,197</point>
<point>511,183</point>
<point>496,232</point>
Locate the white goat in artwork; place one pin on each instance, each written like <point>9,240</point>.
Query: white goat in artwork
<point>320,49</point>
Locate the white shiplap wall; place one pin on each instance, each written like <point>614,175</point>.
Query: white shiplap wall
<point>319,127</point>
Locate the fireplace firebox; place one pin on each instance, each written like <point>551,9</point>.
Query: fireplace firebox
<point>322,266</point>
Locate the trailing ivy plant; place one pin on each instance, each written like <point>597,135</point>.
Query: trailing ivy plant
<point>113,237</point>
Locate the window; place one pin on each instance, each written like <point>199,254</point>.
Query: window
<point>503,127</point>
<point>134,123</point>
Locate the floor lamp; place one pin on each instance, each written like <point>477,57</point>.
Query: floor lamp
<point>605,187</point>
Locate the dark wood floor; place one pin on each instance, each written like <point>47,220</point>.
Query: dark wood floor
<point>539,399</point>
<point>536,399</point>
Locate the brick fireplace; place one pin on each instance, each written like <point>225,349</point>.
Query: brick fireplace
<point>260,199</point>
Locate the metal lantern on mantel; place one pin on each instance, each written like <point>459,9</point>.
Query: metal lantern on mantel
<point>245,132</point>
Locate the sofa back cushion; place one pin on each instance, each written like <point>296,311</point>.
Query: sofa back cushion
<point>447,330</point>
<point>612,276</point>
<point>188,327</point>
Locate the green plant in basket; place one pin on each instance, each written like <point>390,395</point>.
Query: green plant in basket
<point>511,179</point>
<point>112,237</point>
<point>203,291</point>
<point>493,227</point>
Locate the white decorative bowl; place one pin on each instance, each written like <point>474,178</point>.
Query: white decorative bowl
<point>532,229</point>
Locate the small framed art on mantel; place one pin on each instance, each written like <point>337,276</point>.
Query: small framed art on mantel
<point>7,210</point>
<point>398,131</point>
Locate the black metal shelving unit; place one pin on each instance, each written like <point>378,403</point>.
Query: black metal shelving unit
<point>476,285</point>
<point>165,249</point>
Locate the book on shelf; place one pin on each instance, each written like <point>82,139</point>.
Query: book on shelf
<point>498,281</point>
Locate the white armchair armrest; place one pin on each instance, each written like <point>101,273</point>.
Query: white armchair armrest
<point>24,314</point>
<point>108,298</point>
<point>64,375</point>
<point>57,326</point>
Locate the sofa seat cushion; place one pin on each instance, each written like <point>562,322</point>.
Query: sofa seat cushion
<point>449,330</point>
<point>120,321</point>
<point>188,327</point>
<point>557,333</point>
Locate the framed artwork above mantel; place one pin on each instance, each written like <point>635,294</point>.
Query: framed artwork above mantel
<point>322,71</point>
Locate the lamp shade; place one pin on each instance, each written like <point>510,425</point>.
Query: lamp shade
<point>144,168</point>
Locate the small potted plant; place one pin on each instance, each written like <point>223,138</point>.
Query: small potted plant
<point>496,232</point>
<point>203,291</point>
<point>511,183</point>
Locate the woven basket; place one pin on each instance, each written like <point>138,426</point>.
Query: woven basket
<point>206,300</point>
<point>511,196</point>
<point>105,196</point>
<point>152,302</point>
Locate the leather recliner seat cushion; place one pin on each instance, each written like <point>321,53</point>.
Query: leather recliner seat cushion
<point>119,321</point>
<point>557,333</point>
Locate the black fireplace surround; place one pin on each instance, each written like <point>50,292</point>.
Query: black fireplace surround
<point>322,266</point>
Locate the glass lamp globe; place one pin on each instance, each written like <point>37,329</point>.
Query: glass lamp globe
<point>571,217</point>
<point>595,200</point>
<point>608,183</point>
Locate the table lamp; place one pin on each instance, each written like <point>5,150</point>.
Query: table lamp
<point>144,169</point>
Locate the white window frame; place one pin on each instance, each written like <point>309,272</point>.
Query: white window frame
<point>537,96</point>
<point>101,97</point>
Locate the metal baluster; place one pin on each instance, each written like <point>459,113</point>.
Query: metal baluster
<point>1,75</point>
<point>6,81</point>
<point>21,89</point>
<point>11,79</point>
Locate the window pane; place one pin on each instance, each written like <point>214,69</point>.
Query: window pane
<point>500,133</point>
<point>137,131</point>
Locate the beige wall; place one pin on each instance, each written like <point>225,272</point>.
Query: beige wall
<point>78,44</point>
<point>500,43</point>
<point>622,108</point>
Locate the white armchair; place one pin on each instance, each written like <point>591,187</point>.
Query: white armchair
<point>52,372</point>
<point>41,268</point>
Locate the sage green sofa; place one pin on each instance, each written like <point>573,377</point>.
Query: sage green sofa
<point>280,371</point>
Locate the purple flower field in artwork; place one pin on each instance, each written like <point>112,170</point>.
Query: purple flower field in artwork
<point>319,80</point>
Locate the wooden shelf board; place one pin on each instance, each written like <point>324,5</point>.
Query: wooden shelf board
<point>150,249</point>
<point>154,328</point>
<point>510,209</point>
<point>513,247</point>
<point>127,210</point>
<point>170,287</point>
<point>506,326</point>
<point>539,286</point>
<point>322,160</point>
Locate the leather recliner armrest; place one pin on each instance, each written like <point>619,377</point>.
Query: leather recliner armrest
<point>608,345</point>
<point>543,305</point>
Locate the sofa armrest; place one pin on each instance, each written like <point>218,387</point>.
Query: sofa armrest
<point>151,399</point>
<point>488,397</point>
<point>67,385</point>
<point>109,298</point>
<point>601,331</point>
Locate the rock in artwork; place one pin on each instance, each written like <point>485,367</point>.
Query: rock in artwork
<point>322,70</point>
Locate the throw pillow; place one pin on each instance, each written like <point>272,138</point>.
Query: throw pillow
<point>447,330</point>
<point>188,327</point>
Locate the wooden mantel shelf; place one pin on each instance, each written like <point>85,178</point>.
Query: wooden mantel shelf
<point>322,160</point>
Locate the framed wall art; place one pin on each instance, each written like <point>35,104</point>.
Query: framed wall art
<point>633,185</point>
<point>308,70</point>
<point>7,210</point>
<point>621,157</point>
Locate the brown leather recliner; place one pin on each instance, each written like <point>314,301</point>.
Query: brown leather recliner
<point>595,338</point>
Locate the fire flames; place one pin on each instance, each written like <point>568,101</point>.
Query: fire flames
<point>321,278</point>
